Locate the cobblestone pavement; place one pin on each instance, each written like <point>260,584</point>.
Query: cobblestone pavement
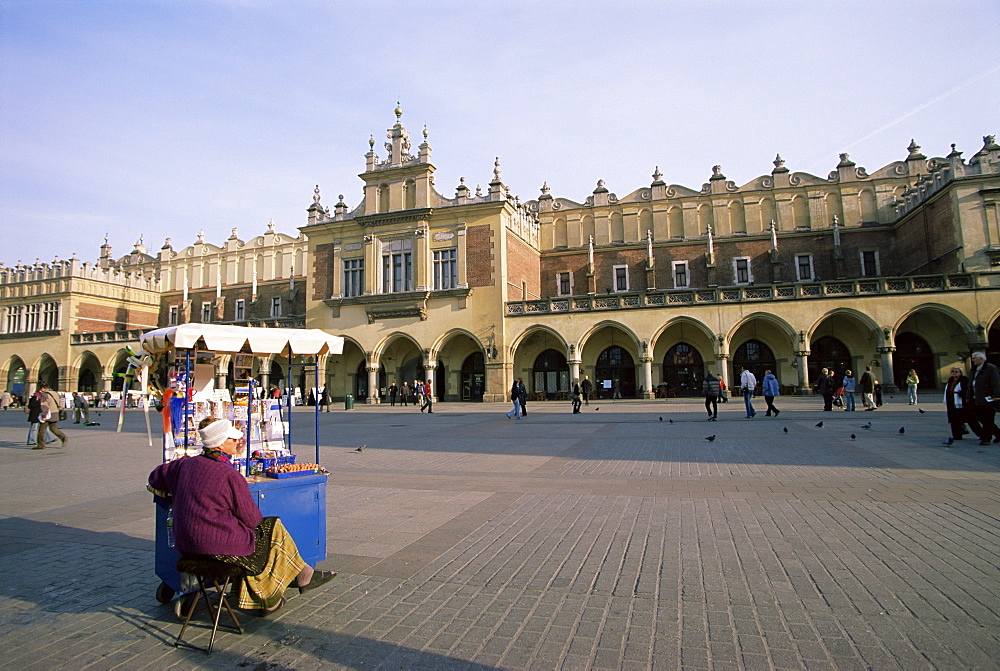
<point>613,539</point>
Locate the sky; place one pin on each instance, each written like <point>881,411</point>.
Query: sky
<point>163,118</point>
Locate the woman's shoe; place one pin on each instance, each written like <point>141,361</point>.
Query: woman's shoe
<point>319,578</point>
<point>263,612</point>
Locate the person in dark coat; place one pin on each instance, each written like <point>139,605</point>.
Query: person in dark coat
<point>575,396</point>
<point>522,396</point>
<point>393,390</point>
<point>983,396</point>
<point>586,388</point>
<point>959,414</point>
<point>712,388</point>
<point>404,394</point>
<point>515,394</point>
<point>825,386</point>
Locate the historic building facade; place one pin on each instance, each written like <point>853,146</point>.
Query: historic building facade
<point>643,294</point>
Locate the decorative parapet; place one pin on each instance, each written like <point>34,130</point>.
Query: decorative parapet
<point>131,335</point>
<point>749,294</point>
<point>39,272</point>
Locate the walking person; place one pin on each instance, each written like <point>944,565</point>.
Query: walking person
<point>912,380</point>
<point>81,409</point>
<point>393,390</point>
<point>711,387</point>
<point>575,397</point>
<point>749,384</point>
<point>418,393</point>
<point>522,397</point>
<point>959,413</point>
<point>982,396</point>
<point>586,387</point>
<point>5,400</point>
<point>515,397</point>
<point>849,385</point>
<point>48,416</point>
<point>771,388</point>
<point>426,387</point>
<point>324,399</point>
<point>34,409</point>
<point>867,385</point>
<point>404,394</point>
<point>824,385</point>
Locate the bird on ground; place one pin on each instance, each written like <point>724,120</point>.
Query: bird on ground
<point>785,429</point>
<point>820,425</point>
<point>866,426</point>
<point>711,438</point>
<point>921,410</point>
<point>949,441</point>
<point>671,421</point>
<point>902,429</point>
<point>361,449</point>
<point>596,409</point>
<point>853,437</point>
<point>661,419</point>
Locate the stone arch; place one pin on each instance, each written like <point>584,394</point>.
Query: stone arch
<point>706,218</point>
<point>86,373</point>
<point>14,373</point>
<point>773,332</point>
<point>800,211</point>
<point>869,208</point>
<point>834,207</point>
<point>452,351</point>
<point>560,239</point>
<point>525,350</point>
<point>947,334</point>
<point>45,369</point>
<point>768,213</point>
<point>675,222</point>
<point>602,336</point>
<point>617,227</point>
<point>646,223</point>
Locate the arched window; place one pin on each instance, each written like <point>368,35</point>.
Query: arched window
<point>474,377</point>
<point>912,351</point>
<point>614,373</point>
<point>682,372</point>
<point>549,374</point>
<point>829,352</point>
<point>756,356</point>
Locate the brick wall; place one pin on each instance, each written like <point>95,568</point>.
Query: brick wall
<point>260,310</point>
<point>98,318</point>
<point>480,259</point>
<point>522,266</point>
<point>322,272</point>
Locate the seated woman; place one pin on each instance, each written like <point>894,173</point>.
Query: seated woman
<point>215,517</point>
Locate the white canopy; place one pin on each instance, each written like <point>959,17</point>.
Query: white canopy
<point>222,338</point>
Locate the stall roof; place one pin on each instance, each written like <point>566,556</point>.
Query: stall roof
<point>222,338</point>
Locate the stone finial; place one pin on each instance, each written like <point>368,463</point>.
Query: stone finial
<point>234,235</point>
<point>316,194</point>
<point>600,187</point>
<point>201,237</point>
<point>545,188</point>
<point>425,132</point>
<point>657,175</point>
<point>479,191</point>
<point>270,226</point>
<point>166,244</point>
<point>496,169</point>
<point>914,150</point>
<point>845,161</point>
<point>340,200</point>
<point>371,142</point>
<point>399,112</point>
<point>990,142</point>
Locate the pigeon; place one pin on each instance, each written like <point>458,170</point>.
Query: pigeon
<point>661,419</point>
<point>902,429</point>
<point>820,425</point>
<point>921,410</point>
<point>671,421</point>
<point>711,438</point>
<point>361,449</point>
<point>785,429</point>
<point>597,409</point>
<point>853,437</point>
<point>949,441</point>
<point>866,426</point>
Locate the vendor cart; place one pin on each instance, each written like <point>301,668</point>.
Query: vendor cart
<point>186,356</point>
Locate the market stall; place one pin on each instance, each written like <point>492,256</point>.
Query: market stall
<point>184,360</point>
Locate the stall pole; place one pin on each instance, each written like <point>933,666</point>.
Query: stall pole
<point>316,364</point>
<point>185,409</point>
<point>249,429</point>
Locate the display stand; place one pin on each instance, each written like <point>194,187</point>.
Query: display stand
<point>299,501</point>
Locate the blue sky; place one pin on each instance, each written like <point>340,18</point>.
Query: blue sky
<point>163,118</point>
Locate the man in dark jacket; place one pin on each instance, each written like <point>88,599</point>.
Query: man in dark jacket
<point>712,389</point>
<point>984,396</point>
<point>825,386</point>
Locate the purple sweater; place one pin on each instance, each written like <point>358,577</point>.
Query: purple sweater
<point>214,512</point>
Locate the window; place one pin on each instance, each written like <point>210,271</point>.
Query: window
<point>804,267</point>
<point>869,264</point>
<point>172,315</point>
<point>276,306</point>
<point>397,266</point>
<point>241,309</point>
<point>445,269</point>
<point>621,278</point>
<point>741,270</point>
<point>14,319</point>
<point>681,279</point>
<point>50,316</point>
<point>354,277</point>
<point>31,316</point>
<point>206,312</point>
<point>564,284</point>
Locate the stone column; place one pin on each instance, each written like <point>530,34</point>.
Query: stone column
<point>802,367</point>
<point>887,378</point>
<point>647,376</point>
<point>373,396</point>
<point>265,375</point>
<point>429,375</point>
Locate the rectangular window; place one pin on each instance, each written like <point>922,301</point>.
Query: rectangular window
<point>14,318</point>
<point>741,270</point>
<point>445,269</point>
<point>870,264</point>
<point>206,313</point>
<point>621,278</point>
<point>241,309</point>
<point>564,284</point>
<point>354,277</point>
<point>804,267</point>
<point>397,266</point>
<point>276,306</point>
<point>681,280</point>
<point>51,316</point>
<point>32,317</point>
<point>172,315</point>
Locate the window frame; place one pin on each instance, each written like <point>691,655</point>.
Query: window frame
<point>445,269</point>
<point>173,315</point>
<point>206,312</point>
<point>614,278</point>
<point>799,266</point>
<point>736,271</point>
<point>240,310</point>
<point>876,259</point>
<point>354,277</point>
<point>569,283</point>
<point>687,274</point>
<point>275,307</point>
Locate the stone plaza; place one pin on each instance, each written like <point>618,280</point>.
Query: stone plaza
<point>616,539</point>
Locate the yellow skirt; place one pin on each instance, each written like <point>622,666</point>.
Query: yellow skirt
<point>282,564</point>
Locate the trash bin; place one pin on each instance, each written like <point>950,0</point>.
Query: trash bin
<point>349,402</point>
